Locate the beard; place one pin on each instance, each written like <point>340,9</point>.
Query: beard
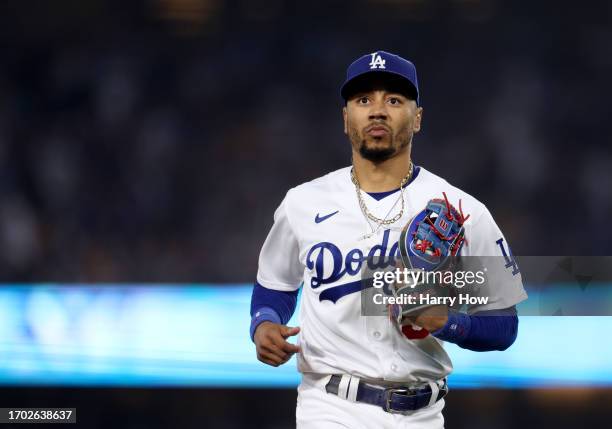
<point>375,154</point>
<point>380,150</point>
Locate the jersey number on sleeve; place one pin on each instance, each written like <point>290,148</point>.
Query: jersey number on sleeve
<point>508,257</point>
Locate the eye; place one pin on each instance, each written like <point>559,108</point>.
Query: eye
<point>362,100</point>
<point>394,101</point>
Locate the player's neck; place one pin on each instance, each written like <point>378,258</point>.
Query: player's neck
<point>381,177</point>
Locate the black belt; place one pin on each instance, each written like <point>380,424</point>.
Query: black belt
<point>391,399</point>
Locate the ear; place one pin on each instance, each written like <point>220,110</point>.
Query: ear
<point>416,126</point>
<point>345,118</point>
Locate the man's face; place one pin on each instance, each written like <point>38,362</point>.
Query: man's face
<point>380,123</point>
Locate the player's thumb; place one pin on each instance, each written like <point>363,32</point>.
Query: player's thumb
<point>288,331</point>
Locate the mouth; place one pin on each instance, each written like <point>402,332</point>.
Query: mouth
<point>377,130</point>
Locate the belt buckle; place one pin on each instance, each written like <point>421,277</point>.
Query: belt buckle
<point>388,393</point>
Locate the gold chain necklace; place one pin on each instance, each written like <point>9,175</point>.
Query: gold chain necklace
<point>364,208</point>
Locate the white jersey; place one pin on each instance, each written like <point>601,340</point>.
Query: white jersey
<point>317,241</point>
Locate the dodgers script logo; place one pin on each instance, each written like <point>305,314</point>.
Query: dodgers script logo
<point>330,265</point>
<point>377,61</point>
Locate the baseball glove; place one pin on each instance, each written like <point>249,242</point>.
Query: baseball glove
<point>427,244</point>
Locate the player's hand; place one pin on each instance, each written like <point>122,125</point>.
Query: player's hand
<point>431,318</point>
<point>272,347</point>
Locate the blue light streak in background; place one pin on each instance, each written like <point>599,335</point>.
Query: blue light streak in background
<point>143,335</point>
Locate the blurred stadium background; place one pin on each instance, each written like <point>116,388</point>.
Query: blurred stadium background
<point>149,141</point>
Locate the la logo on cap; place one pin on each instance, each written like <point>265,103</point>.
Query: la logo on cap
<point>377,61</point>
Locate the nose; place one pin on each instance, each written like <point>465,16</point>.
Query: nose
<point>378,111</point>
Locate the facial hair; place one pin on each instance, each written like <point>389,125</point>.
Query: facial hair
<point>380,154</point>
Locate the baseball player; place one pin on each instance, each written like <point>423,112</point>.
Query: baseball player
<point>376,372</point>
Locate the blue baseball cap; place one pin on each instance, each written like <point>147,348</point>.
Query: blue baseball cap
<point>396,70</point>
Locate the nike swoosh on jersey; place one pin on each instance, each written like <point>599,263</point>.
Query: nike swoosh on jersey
<point>319,219</point>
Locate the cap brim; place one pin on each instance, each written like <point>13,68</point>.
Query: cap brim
<point>390,80</point>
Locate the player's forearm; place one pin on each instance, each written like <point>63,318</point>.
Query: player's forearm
<point>485,331</point>
<point>271,305</point>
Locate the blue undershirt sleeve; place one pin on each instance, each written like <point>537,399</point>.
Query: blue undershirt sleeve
<point>482,331</point>
<point>271,305</point>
